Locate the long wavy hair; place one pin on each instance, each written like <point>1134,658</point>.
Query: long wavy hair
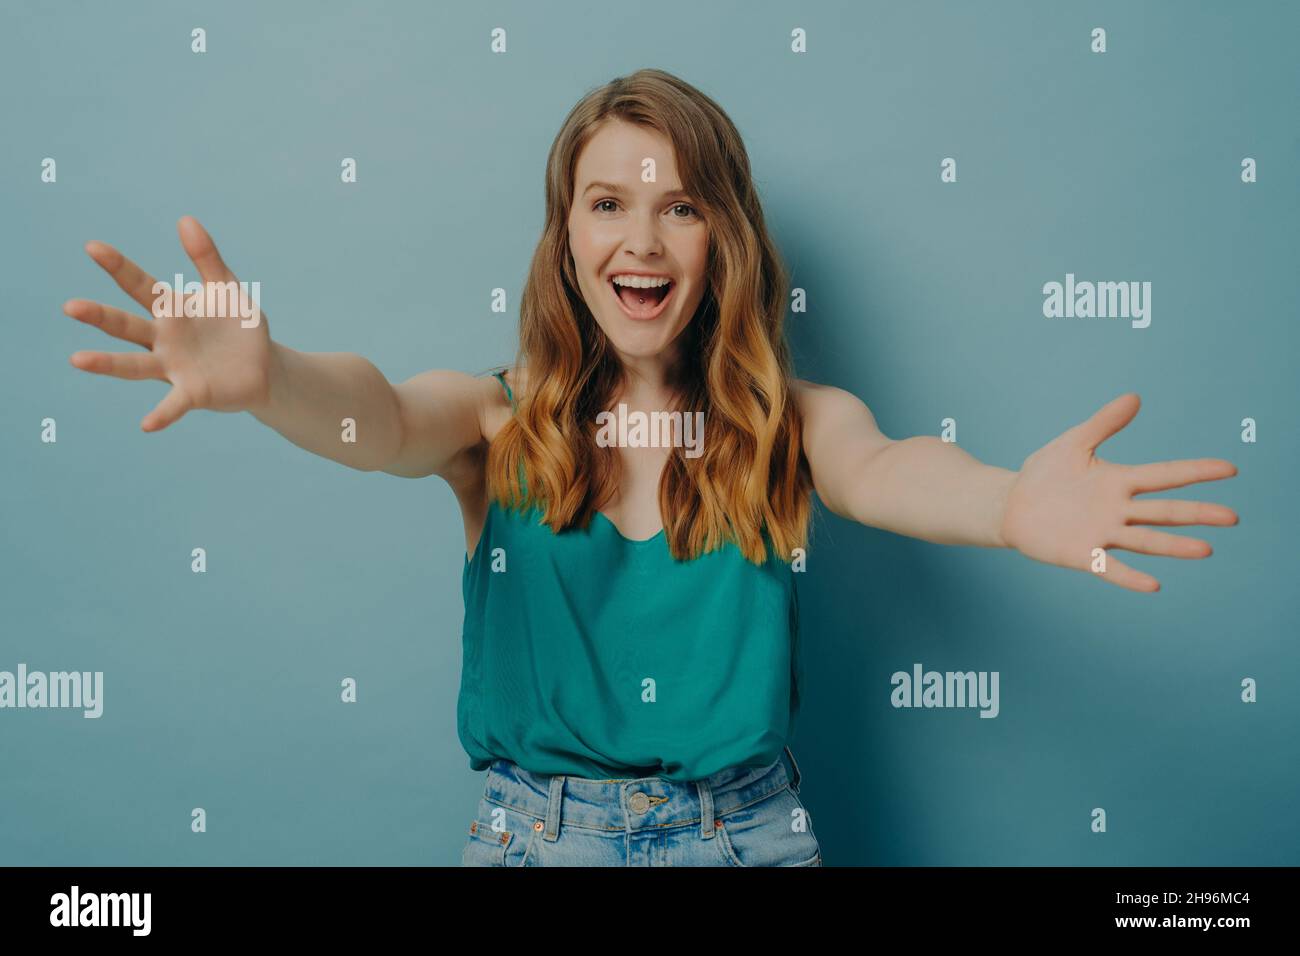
<point>751,478</point>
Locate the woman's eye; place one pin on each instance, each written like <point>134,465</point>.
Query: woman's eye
<point>692,212</point>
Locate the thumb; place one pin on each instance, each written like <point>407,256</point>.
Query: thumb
<point>173,405</point>
<point>1109,419</point>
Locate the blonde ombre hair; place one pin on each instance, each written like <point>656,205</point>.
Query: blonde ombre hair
<point>752,476</point>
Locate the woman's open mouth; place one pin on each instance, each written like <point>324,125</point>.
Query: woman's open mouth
<point>642,304</point>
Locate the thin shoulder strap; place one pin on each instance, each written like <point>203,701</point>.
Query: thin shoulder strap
<point>501,377</point>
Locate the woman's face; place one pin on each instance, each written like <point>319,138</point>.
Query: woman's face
<point>620,225</point>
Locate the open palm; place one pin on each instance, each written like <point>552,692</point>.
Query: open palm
<point>1065,501</point>
<point>216,363</point>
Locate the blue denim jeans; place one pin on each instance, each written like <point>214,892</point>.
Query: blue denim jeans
<point>737,817</point>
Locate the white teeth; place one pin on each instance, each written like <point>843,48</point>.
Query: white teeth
<point>642,282</point>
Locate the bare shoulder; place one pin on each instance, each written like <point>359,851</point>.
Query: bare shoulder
<point>836,422</point>
<point>825,406</point>
<point>840,436</point>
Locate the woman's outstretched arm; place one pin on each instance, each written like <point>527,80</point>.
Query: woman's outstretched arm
<point>1062,505</point>
<point>336,405</point>
<point>921,487</point>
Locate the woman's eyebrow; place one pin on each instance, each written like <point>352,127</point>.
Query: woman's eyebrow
<point>615,188</point>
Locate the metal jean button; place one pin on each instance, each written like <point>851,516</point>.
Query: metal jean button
<point>639,802</point>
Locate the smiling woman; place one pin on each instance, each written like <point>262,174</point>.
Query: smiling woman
<point>615,236</point>
<point>643,721</point>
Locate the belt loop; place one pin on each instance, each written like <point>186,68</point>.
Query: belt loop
<point>553,808</point>
<point>706,809</point>
<point>794,781</point>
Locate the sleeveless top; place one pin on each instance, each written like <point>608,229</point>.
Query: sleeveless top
<point>593,655</point>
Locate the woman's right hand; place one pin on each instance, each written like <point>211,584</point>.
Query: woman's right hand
<point>217,363</point>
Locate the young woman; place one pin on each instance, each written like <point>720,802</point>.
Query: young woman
<point>631,671</point>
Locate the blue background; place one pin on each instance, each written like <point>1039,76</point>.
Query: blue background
<point>222,689</point>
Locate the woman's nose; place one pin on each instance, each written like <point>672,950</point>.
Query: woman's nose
<point>643,236</point>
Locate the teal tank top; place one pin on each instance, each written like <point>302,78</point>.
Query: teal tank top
<point>593,655</point>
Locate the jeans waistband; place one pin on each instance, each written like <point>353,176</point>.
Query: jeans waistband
<point>639,803</point>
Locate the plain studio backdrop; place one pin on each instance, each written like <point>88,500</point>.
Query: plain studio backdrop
<point>222,689</point>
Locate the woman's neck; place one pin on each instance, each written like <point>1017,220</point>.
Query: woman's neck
<point>648,383</point>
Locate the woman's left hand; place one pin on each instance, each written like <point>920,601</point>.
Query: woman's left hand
<point>1065,502</point>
